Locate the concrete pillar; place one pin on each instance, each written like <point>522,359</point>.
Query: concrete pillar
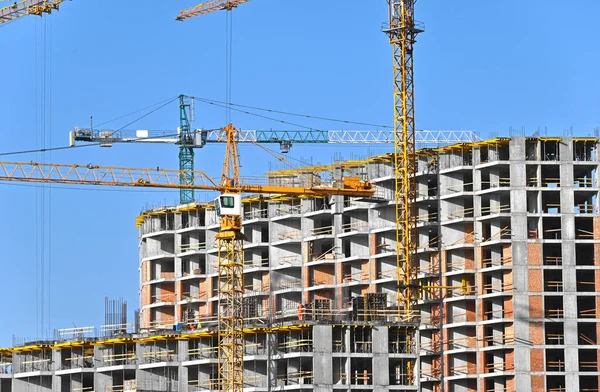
<point>381,363</point>
<point>322,360</point>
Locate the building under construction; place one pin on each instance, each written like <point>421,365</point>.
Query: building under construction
<point>508,253</point>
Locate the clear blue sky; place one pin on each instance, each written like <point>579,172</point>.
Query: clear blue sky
<point>480,65</point>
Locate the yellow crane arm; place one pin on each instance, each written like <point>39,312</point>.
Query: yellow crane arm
<point>27,7</point>
<point>209,6</point>
<point>164,178</point>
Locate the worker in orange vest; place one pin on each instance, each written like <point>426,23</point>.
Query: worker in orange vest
<point>300,312</point>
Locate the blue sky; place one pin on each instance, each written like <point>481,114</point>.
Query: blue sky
<point>481,65</point>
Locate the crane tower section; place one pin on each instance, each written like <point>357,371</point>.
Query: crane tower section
<point>402,31</point>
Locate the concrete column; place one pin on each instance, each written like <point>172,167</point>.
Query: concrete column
<point>381,363</point>
<point>182,352</point>
<point>322,360</point>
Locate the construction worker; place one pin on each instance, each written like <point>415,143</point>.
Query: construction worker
<point>300,312</point>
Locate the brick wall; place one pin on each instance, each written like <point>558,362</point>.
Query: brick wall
<point>536,360</point>
<point>534,254</point>
<point>536,307</point>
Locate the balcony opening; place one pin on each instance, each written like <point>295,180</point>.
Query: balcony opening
<point>532,202</point>
<point>551,202</point>
<point>588,383</point>
<point>550,176</point>
<point>553,307</point>
<point>531,173</point>
<point>584,228</point>
<point>587,334</point>
<point>399,371</point>
<point>556,384</point>
<point>533,228</point>
<point>555,360</point>
<point>550,150</point>
<point>361,371</point>
<point>552,228</point>
<point>340,376</point>
<point>586,307</point>
<point>585,203</point>
<point>588,360</point>
<point>555,334</point>
<point>361,340</point>
<point>584,150</point>
<point>584,176</point>
<point>586,281</point>
<point>584,254</point>
<point>531,151</point>
<point>553,281</point>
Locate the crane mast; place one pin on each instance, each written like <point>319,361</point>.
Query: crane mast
<point>230,243</point>
<point>402,31</point>
<point>186,151</point>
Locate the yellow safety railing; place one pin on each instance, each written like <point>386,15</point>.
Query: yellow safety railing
<point>553,285</point>
<point>457,370</point>
<point>195,295</point>
<point>495,367</point>
<point>459,343</point>
<point>503,234</point>
<point>160,356</point>
<point>584,208</point>
<point>587,339</point>
<point>496,314</point>
<point>589,313</point>
<point>490,262</point>
<point>126,357</point>
<point>502,339</point>
<point>290,234</point>
<point>288,284</point>
<point>588,365</point>
<point>203,352</point>
<point>497,287</point>
<point>288,346</point>
<point>288,209</point>
<point>467,187</point>
<point>583,182</point>
<point>356,277</point>
<point>505,208</point>
<point>291,259</point>
<point>262,262</point>
<point>354,226</point>
<point>555,338</point>
<point>557,366</point>
<point>584,234</point>
<point>256,214</point>
<point>467,239</point>
<point>456,266</point>
<point>163,298</point>
<point>461,213</point>
<point>429,217</point>
<point>432,243</point>
<point>556,313</point>
<point>325,230</point>
<point>192,246</point>
<point>553,260</point>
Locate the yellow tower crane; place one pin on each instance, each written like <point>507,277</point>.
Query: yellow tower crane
<point>230,238</point>
<point>28,7</point>
<point>402,31</point>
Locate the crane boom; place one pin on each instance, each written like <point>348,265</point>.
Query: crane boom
<point>209,6</point>
<point>106,137</point>
<point>27,7</point>
<point>164,178</point>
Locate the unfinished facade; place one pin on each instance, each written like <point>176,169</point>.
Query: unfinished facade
<point>509,228</point>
